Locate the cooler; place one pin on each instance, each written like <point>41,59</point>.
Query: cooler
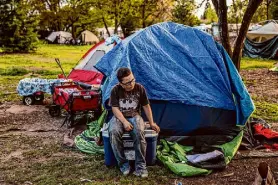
<point>151,139</point>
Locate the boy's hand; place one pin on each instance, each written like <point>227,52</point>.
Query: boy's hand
<point>155,127</point>
<point>128,127</point>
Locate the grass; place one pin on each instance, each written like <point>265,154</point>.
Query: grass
<point>43,61</point>
<point>250,63</point>
<point>72,170</point>
<point>266,110</point>
<point>40,165</point>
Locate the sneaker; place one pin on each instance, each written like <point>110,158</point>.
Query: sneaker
<point>125,169</point>
<point>143,173</point>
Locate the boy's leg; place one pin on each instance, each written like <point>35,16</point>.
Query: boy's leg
<point>140,144</point>
<point>116,131</point>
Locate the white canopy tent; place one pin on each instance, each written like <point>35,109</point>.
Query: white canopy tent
<point>266,32</point>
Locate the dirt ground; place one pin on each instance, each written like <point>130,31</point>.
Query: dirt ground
<point>34,121</point>
<point>262,84</point>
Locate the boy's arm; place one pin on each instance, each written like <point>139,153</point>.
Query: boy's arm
<point>119,115</point>
<point>148,112</point>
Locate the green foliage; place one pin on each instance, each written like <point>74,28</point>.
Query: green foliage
<point>151,12</point>
<point>129,24</point>
<point>183,13</point>
<point>236,11</point>
<point>274,9</point>
<point>210,14</point>
<point>261,14</point>
<point>17,26</point>
<point>51,17</point>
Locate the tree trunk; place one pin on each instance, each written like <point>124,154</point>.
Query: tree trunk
<point>223,25</point>
<point>143,14</point>
<point>73,32</point>
<point>215,4</point>
<point>105,25</point>
<point>250,11</point>
<point>268,2</point>
<point>116,4</point>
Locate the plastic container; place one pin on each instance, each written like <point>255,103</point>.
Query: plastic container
<point>151,139</point>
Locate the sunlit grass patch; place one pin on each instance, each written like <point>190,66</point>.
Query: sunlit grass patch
<point>265,110</point>
<point>250,63</point>
<point>44,58</point>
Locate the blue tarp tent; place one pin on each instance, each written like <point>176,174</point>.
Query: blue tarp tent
<point>189,78</point>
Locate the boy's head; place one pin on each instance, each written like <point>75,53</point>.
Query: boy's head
<point>126,78</point>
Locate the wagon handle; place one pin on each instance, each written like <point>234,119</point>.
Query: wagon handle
<point>59,64</point>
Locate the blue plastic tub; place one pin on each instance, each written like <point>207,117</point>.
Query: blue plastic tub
<point>151,139</point>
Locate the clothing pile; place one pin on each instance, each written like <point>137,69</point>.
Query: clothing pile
<point>258,134</point>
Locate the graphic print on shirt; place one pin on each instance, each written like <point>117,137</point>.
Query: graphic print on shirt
<point>129,105</point>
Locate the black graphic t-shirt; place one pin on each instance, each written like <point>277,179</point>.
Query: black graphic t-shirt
<point>129,102</point>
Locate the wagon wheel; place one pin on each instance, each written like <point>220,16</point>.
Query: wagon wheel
<point>28,100</point>
<point>39,98</point>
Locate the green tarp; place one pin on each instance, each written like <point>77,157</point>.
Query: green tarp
<point>173,156</point>
<point>86,140</point>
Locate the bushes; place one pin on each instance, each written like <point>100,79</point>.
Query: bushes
<point>17,27</point>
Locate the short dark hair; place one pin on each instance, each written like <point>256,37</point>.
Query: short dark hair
<point>123,72</point>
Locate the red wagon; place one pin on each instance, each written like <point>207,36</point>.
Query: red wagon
<point>76,101</point>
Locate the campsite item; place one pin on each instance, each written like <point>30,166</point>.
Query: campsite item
<point>210,160</point>
<point>275,68</point>
<point>33,89</point>
<point>264,175</point>
<point>85,71</point>
<point>262,42</point>
<point>36,98</point>
<point>76,101</point>
<point>265,32</point>
<point>266,133</point>
<point>88,140</point>
<point>192,84</point>
<point>174,157</point>
<point>266,136</point>
<point>60,37</point>
<point>151,139</point>
<point>87,37</point>
<point>84,95</point>
<point>190,80</point>
<point>259,135</point>
<point>197,158</point>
